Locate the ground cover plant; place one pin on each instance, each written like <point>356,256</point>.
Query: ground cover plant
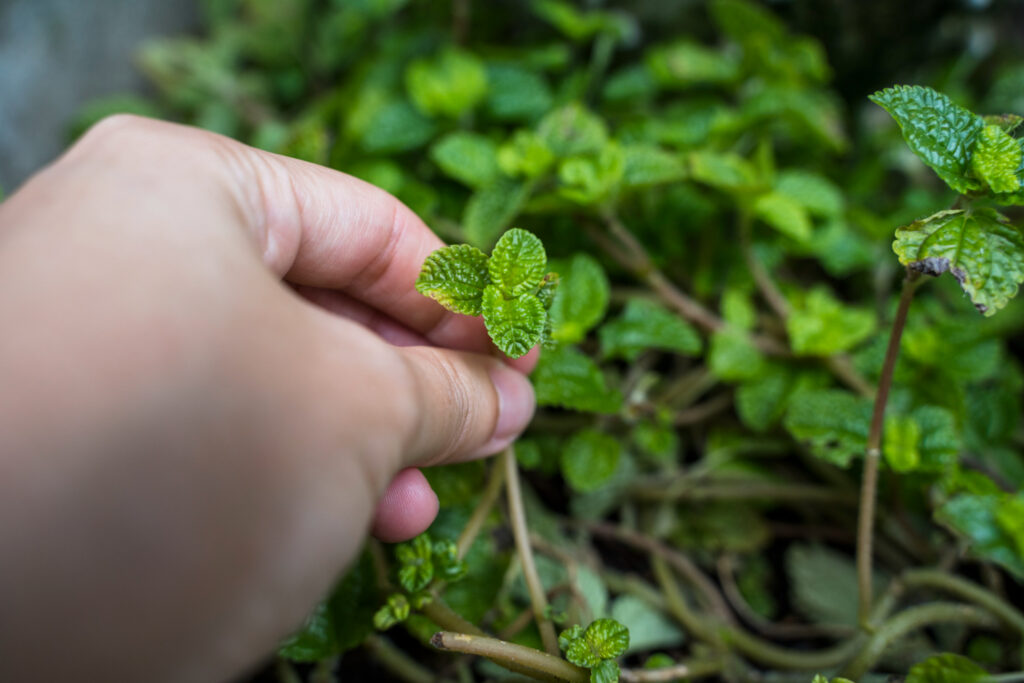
<point>779,434</point>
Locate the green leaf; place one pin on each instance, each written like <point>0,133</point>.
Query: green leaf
<point>572,130</point>
<point>822,326</point>
<point>978,247</point>
<point>834,423</point>
<point>417,567</point>
<point>733,356</point>
<point>762,400</point>
<point>603,639</point>
<point>645,325</point>
<point>589,179</point>
<point>815,193</point>
<point>746,21</point>
<point>578,25</point>
<point>568,378</point>
<point>467,157</point>
<point>518,263</point>
<point>660,443</point>
<point>516,93</point>
<point>946,668</point>
<point>525,154</point>
<point>976,517</point>
<point>450,84</point>
<point>589,460</point>
<point>823,584</point>
<point>394,611</point>
<point>396,127</point>
<point>491,209</point>
<point>515,325</point>
<point>649,628</point>
<point>581,299</point>
<point>605,672</point>
<point>685,64</point>
<point>940,443</point>
<point>997,159</point>
<point>784,214</point>
<point>728,172</point>
<point>455,277</point>
<point>647,165</point>
<point>901,443</point>
<point>942,134</point>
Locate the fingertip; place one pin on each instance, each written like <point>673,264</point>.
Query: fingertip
<point>407,508</point>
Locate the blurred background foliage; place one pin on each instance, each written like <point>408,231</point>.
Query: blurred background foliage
<point>719,198</point>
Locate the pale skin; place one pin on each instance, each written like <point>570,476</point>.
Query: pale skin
<point>216,378</point>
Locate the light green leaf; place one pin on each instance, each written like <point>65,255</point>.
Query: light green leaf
<point>946,668</point>
<point>902,439</point>
<point>978,247</point>
<point>395,611</point>
<point>659,442</point>
<point>834,423</point>
<point>823,584</point>
<point>417,567</point>
<point>649,628</point>
<point>645,325</point>
<point>455,277</point>
<point>646,165</point>
<point>997,159</point>
<point>572,130</point>
<point>738,309</point>
<point>525,154</point>
<point>491,209</point>
<point>566,377</point>
<point>589,179</point>
<point>467,157</point>
<point>728,172</point>
<point>940,132</point>
<point>814,192</point>
<point>733,356</point>
<point>784,214</point>
<point>606,671</point>
<point>451,83</point>
<point>822,326</point>
<point>517,94</point>
<point>578,25</point>
<point>589,460</point>
<point>396,127</point>
<point>746,21</point>
<point>976,517</point>
<point>518,263</point>
<point>685,64</point>
<point>603,639</point>
<point>515,325</point>
<point>581,299</point>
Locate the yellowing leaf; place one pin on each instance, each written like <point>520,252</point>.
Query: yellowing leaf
<point>455,277</point>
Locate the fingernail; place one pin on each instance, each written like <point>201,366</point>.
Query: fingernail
<point>515,408</point>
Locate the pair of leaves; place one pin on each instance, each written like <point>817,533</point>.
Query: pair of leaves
<point>506,288</point>
<point>595,648</point>
<point>421,560</point>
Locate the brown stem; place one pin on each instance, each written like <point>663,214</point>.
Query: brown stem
<point>445,617</point>
<point>521,533</point>
<point>869,480</point>
<point>482,509</point>
<point>516,658</point>
<point>769,290</point>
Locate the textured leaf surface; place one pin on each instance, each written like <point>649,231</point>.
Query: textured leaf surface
<point>834,423</point>
<point>976,517</point>
<point>646,325</point>
<point>940,132</point>
<point>606,671</point>
<point>573,130</point>
<point>455,277</point>
<point>979,248</point>
<point>997,159</point>
<point>581,299</point>
<point>822,325</point>
<point>733,357</point>
<point>602,639</point>
<point>946,668</point>
<point>469,158</point>
<point>417,566</point>
<point>566,377</point>
<point>589,460</point>
<point>515,325</point>
<point>517,263</point>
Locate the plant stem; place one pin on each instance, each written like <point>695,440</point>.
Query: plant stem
<point>769,290</point>
<point>869,480</point>
<point>521,533</point>
<point>671,673</point>
<point>695,490</point>
<point>397,662</point>
<point>517,658</point>
<point>483,508</point>
<point>447,618</point>
<point>909,620</point>
<point>966,590</point>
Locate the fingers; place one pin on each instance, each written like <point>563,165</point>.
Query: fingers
<point>406,509</point>
<point>465,405</point>
<point>312,225</point>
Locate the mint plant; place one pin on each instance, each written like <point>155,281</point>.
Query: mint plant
<point>763,447</point>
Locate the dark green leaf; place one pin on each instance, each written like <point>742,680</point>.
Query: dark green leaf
<point>814,192</point>
<point>646,165</point>
<point>517,94</point>
<point>589,460</point>
<point>567,378</point>
<point>455,277</point>
<point>581,299</point>
<point>649,628</point>
<point>978,247</point>
<point>396,127</point>
<point>728,172</point>
<point>470,158</point>
<point>491,209</point>
<point>976,517</point>
<point>833,423</point>
<point>645,325</point>
<point>941,133</point>
<point>515,325</point>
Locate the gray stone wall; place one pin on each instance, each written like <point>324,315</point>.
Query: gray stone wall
<point>57,54</point>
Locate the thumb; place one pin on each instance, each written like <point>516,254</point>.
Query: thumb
<point>466,405</point>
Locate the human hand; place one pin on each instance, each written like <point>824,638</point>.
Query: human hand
<point>190,448</point>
